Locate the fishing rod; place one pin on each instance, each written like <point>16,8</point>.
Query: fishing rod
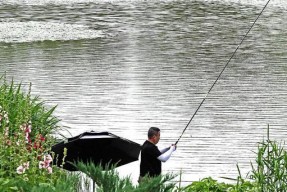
<point>222,71</point>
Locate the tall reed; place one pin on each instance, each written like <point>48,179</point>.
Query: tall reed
<point>271,171</point>
<point>23,108</point>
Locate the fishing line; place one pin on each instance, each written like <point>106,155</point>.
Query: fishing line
<point>222,71</point>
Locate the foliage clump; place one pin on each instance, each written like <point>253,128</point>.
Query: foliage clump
<point>26,126</point>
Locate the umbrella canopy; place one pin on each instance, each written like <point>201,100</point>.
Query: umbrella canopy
<point>102,147</point>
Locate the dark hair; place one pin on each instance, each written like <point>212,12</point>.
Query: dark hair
<point>152,132</point>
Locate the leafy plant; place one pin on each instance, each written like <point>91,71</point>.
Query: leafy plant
<point>25,141</point>
<point>107,179</point>
<point>207,184</point>
<point>271,171</point>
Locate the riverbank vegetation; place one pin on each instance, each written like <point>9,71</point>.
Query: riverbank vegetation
<point>26,162</point>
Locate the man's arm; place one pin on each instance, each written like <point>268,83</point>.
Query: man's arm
<point>164,150</point>
<point>165,156</point>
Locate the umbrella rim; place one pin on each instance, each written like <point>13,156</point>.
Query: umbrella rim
<point>93,133</point>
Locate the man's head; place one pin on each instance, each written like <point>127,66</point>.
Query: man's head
<point>154,135</point>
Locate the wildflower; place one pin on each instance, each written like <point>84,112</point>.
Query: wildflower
<point>48,158</point>
<point>27,128</point>
<point>27,138</point>
<point>22,127</point>
<point>50,170</point>
<point>20,170</point>
<point>6,132</point>
<point>41,138</point>
<point>38,142</point>
<point>29,148</point>
<point>8,142</point>
<point>41,164</point>
<point>46,163</point>
<point>6,117</point>
<point>37,146</point>
<point>26,165</point>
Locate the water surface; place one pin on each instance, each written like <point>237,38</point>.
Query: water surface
<point>123,66</point>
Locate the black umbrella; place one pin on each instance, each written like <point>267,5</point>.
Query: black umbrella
<point>100,148</point>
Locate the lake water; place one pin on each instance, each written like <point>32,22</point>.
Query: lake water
<point>124,66</point>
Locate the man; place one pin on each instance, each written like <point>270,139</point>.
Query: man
<point>151,156</point>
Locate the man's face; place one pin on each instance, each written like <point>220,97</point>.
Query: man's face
<point>157,138</point>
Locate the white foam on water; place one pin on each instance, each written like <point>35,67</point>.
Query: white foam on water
<point>11,32</point>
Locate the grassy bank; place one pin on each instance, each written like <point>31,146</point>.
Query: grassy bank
<point>27,126</point>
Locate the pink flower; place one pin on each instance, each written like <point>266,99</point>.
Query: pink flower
<point>27,130</point>
<point>20,170</point>
<point>46,163</point>
<point>50,170</point>
<point>27,137</point>
<point>41,164</point>
<point>48,159</point>
<point>40,138</point>
<point>26,165</point>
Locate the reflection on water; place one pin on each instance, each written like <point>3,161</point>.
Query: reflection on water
<point>124,66</point>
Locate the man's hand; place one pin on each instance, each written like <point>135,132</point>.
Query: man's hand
<point>173,147</point>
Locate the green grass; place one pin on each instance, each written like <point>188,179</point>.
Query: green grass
<point>271,171</point>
